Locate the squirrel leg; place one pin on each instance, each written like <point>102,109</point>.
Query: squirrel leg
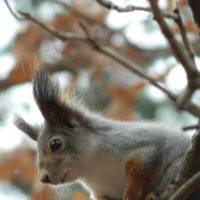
<point>139,176</point>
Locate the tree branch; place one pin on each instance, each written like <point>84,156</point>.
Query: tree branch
<point>185,58</point>
<point>191,127</point>
<point>189,167</point>
<point>130,8</point>
<point>133,67</point>
<point>187,188</point>
<point>83,15</point>
<point>185,97</point>
<point>183,32</point>
<point>60,35</point>
<point>12,12</point>
<point>190,107</point>
<point>181,56</point>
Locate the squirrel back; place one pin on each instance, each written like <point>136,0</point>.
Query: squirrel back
<point>115,159</point>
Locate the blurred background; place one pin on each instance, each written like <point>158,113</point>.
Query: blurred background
<point>103,84</point>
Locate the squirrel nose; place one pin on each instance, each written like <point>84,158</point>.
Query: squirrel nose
<point>45,179</point>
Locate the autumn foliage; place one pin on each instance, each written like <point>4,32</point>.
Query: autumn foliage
<point>107,89</point>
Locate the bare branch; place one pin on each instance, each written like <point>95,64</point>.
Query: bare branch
<point>60,35</point>
<point>185,97</point>
<point>191,127</point>
<point>130,8</point>
<point>189,167</point>
<point>190,89</point>
<point>187,188</point>
<point>12,12</point>
<point>183,58</point>
<point>186,42</point>
<point>190,107</point>
<point>83,15</point>
<point>133,67</point>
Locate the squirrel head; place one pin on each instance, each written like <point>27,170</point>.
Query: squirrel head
<point>63,138</point>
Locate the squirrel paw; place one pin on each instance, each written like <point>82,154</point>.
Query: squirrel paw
<point>151,196</point>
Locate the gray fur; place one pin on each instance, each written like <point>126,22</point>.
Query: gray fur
<point>96,149</point>
<point>31,131</point>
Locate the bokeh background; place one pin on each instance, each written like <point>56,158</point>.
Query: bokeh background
<point>103,84</point>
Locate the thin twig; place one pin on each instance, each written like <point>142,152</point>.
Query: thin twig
<point>109,5</point>
<point>124,61</point>
<point>188,92</point>
<point>83,15</point>
<point>190,107</point>
<point>183,58</point>
<point>12,12</point>
<point>191,127</point>
<point>183,32</point>
<point>185,96</point>
<point>161,76</point>
<point>60,35</point>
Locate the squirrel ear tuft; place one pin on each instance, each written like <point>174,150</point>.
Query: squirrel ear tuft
<point>31,131</point>
<point>47,96</point>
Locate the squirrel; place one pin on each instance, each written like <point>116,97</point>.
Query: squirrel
<point>117,160</point>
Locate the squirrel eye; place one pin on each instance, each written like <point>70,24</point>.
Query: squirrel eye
<point>55,145</point>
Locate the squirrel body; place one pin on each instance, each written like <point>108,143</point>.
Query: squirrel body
<point>154,145</point>
<point>117,160</point>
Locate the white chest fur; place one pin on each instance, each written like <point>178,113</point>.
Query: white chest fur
<point>106,177</point>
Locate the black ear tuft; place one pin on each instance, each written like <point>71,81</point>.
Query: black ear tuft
<point>47,96</point>
<point>28,129</point>
<point>44,89</point>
